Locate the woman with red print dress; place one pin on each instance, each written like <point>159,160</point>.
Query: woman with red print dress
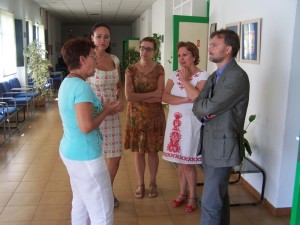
<point>183,128</point>
<point>145,124</point>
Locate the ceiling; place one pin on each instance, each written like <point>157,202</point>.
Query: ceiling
<point>112,12</point>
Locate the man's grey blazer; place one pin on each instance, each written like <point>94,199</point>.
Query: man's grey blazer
<point>223,134</point>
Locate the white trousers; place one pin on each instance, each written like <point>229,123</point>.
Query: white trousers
<point>92,202</point>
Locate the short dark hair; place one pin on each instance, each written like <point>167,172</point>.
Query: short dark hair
<point>150,39</point>
<point>95,26</point>
<point>230,37</point>
<point>73,49</point>
<point>191,47</point>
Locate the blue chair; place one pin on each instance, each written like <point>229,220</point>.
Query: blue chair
<point>23,91</point>
<point>16,86</point>
<point>10,114</point>
<point>3,124</point>
<point>57,77</point>
<point>12,98</point>
<point>49,85</point>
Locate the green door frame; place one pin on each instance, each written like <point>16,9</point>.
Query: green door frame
<point>295,217</point>
<point>176,21</point>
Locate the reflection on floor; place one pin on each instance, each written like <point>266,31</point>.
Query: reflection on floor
<point>35,190</point>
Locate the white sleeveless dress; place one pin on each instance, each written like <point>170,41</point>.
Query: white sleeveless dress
<point>104,84</point>
<point>183,128</point>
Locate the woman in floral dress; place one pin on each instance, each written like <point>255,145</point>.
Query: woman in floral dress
<point>183,128</point>
<point>107,85</point>
<point>145,125</point>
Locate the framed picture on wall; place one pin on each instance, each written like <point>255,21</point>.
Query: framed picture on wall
<point>250,40</point>
<point>236,28</point>
<point>213,27</point>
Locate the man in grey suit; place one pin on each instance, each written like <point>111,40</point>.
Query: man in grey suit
<point>221,107</point>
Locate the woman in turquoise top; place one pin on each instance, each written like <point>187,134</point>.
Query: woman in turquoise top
<point>81,145</point>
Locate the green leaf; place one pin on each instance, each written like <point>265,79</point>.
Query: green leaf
<point>37,66</point>
<point>252,118</point>
<point>247,146</point>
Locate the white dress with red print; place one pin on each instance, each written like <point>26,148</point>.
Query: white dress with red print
<point>183,128</point>
<point>104,84</point>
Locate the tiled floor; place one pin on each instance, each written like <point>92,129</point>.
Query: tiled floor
<point>35,190</point>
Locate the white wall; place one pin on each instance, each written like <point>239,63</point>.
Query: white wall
<point>272,135</point>
<point>135,28</point>
<point>292,125</point>
<point>162,25</point>
<point>145,24</point>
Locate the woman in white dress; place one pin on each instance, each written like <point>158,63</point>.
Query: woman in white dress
<point>183,128</point>
<point>106,83</point>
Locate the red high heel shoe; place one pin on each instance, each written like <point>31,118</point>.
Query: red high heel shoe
<point>176,204</point>
<point>189,208</point>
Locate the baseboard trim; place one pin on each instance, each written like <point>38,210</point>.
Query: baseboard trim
<point>274,211</point>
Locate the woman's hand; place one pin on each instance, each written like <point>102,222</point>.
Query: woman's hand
<point>158,93</point>
<point>111,108</point>
<point>184,74</point>
<point>121,105</point>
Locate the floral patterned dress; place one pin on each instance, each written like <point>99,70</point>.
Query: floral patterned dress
<point>183,128</point>
<point>145,122</point>
<point>104,84</point>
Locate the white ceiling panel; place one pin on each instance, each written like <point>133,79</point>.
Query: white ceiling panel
<point>115,12</point>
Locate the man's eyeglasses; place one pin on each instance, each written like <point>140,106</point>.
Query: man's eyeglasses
<point>142,48</point>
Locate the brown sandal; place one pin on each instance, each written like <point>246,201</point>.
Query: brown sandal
<point>152,191</point>
<point>140,191</point>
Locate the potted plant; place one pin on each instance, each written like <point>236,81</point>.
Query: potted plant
<point>247,147</point>
<point>158,39</point>
<point>131,57</point>
<point>38,68</point>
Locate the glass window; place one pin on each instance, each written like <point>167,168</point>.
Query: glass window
<point>29,31</point>
<point>41,36</point>
<point>8,56</point>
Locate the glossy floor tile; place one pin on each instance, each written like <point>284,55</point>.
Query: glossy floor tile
<point>35,188</point>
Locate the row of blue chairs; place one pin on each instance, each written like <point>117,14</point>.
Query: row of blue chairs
<point>11,91</point>
<point>15,98</point>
